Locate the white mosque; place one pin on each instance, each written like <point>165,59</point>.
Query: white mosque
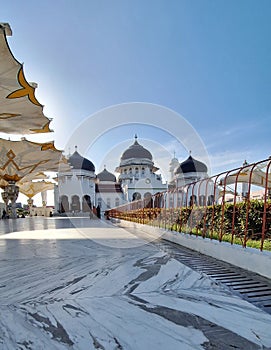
<point>80,189</point>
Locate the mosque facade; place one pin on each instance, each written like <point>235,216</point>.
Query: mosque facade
<point>80,189</point>
<point>191,179</point>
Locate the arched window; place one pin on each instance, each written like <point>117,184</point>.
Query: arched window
<point>130,171</point>
<point>64,204</point>
<point>75,205</point>
<point>143,171</point>
<point>117,202</point>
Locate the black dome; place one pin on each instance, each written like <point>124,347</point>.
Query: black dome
<point>79,162</point>
<point>106,176</point>
<point>136,151</point>
<point>191,165</point>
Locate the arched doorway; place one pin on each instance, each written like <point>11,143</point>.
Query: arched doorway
<point>211,199</point>
<point>159,200</point>
<point>86,203</point>
<point>64,204</point>
<point>148,199</point>
<point>117,202</point>
<point>136,196</point>
<point>100,202</point>
<point>75,205</point>
<point>202,200</point>
<point>193,201</point>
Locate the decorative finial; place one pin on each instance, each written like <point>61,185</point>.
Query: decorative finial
<point>174,154</point>
<point>75,148</point>
<point>136,137</point>
<point>104,167</point>
<point>190,152</point>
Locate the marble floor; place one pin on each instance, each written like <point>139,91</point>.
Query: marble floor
<point>86,284</point>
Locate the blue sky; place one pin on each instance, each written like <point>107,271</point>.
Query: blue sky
<point>209,61</point>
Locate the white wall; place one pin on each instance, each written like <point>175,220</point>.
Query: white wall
<point>247,258</point>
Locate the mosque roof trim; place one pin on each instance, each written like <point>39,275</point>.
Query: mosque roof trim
<point>106,176</point>
<point>191,165</point>
<point>81,163</point>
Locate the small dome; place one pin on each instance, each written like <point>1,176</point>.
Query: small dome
<point>79,162</point>
<point>106,176</point>
<point>191,165</point>
<point>136,151</point>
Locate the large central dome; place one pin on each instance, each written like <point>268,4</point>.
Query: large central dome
<point>136,155</point>
<point>136,151</point>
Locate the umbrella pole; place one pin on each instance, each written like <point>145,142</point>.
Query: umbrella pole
<point>12,194</point>
<point>30,205</point>
<point>5,199</point>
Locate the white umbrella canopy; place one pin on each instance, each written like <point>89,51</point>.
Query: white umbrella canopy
<point>62,165</point>
<point>28,178</point>
<point>258,177</point>
<point>37,176</point>
<point>30,189</point>
<point>20,111</point>
<point>26,158</point>
<point>224,192</point>
<point>3,183</point>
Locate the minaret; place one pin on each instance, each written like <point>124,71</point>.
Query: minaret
<point>244,184</point>
<point>174,163</point>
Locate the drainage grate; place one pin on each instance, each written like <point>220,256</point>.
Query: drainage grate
<point>248,285</point>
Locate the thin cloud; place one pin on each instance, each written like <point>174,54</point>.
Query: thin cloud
<point>223,161</point>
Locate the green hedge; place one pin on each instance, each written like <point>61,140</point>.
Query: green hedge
<point>214,222</point>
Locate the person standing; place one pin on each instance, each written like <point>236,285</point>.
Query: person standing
<point>98,209</point>
<point>4,215</point>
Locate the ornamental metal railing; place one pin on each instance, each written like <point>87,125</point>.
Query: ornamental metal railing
<point>233,206</point>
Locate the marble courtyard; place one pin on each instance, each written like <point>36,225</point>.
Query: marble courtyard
<point>82,284</point>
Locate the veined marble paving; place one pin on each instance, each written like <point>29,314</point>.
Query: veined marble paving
<point>100,287</point>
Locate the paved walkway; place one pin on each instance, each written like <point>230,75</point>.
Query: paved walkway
<point>42,223</point>
<point>86,284</point>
